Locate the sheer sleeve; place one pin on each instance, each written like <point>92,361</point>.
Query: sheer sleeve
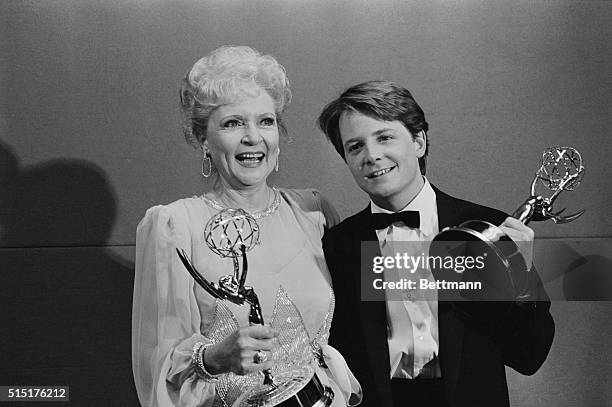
<point>330,215</point>
<point>165,315</point>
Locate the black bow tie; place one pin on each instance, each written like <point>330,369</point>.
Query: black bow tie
<point>384,220</point>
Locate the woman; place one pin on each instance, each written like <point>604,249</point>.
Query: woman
<point>188,348</point>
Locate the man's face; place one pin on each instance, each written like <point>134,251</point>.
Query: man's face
<point>383,158</point>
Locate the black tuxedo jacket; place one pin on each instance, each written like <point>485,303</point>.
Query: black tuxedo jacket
<point>472,354</point>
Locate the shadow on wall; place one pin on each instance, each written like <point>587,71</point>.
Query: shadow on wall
<point>588,278</point>
<point>575,269</point>
<point>66,299</point>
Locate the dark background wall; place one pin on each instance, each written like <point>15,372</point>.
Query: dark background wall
<point>90,138</point>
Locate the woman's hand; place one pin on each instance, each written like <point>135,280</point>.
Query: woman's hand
<point>236,353</point>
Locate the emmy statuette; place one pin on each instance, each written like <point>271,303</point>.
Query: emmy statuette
<point>232,233</point>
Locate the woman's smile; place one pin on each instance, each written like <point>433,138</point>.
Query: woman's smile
<point>250,159</point>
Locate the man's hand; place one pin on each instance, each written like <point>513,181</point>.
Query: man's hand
<point>522,235</point>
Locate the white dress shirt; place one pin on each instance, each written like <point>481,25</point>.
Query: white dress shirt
<point>412,321</point>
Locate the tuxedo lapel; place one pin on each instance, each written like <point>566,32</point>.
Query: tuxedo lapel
<point>373,316</point>
<point>448,209</point>
<point>449,327</point>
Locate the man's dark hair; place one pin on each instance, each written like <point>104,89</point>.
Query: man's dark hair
<point>380,100</point>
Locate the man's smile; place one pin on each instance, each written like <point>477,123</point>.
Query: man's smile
<point>379,173</point>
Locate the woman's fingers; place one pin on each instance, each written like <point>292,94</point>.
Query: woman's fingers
<point>254,361</point>
<point>248,345</point>
<point>240,348</point>
<point>261,332</point>
<point>257,337</point>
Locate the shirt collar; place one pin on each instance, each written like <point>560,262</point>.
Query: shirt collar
<point>425,203</point>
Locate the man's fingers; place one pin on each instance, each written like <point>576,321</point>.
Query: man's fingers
<point>522,235</point>
<point>517,230</point>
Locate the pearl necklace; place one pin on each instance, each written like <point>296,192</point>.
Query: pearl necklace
<point>256,215</point>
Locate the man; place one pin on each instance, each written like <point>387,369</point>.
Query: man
<point>420,352</point>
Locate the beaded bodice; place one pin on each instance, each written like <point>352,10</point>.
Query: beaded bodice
<point>296,346</point>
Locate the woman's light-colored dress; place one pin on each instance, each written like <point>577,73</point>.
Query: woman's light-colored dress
<point>171,313</point>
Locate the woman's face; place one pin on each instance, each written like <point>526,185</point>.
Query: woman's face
<point>242,137</point>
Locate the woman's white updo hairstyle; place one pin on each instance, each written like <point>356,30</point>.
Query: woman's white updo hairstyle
<point>226,75</point>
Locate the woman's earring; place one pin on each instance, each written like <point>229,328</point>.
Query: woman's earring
<point>277,156</point>
<point>206,163</point>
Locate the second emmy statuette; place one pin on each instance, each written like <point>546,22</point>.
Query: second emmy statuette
<point>506,275</point>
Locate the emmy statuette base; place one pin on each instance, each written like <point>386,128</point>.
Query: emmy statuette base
<point>298,388</point>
